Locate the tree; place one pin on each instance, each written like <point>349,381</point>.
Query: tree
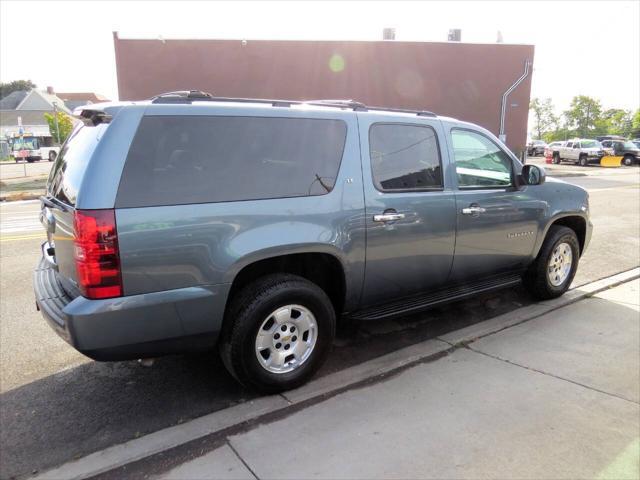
<point>583,114</point>
<point>64,123</point>
<point>635,124</point>
<point>16,85</point>
<point>544,118</point>
<point>617,121</point>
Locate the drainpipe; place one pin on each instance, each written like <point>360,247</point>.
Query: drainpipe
<point>503,108</point>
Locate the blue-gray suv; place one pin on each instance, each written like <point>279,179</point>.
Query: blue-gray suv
<point>189,222</point>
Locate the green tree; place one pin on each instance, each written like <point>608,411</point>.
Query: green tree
<point>7,88</point>
<point>619,121</point>
<point>64,123</point>
<point>583,115</point>
<point>544,119</point>
<point>635,124</point>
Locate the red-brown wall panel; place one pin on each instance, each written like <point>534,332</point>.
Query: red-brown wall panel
<point>460,80</point>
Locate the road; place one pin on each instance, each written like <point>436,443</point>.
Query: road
<point>57,404</point>
<point>16,170</point>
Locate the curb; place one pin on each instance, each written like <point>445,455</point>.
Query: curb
<point>137,449</point>
<point>20,196</point>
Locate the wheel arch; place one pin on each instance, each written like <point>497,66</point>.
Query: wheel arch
<point>576,222</point>
<point>323,268</point>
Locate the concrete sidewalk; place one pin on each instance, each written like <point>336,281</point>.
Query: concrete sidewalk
<point>554,397</point>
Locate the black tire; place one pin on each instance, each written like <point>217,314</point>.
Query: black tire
<point>536,279</point>
<point>556,158</point>
<point>31,160</point>
<point>245,315</point>
<point>52,156</point>
<point>583,161</point>
<point>627,160</point>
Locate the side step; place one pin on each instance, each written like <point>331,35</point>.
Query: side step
<point>413,304</point>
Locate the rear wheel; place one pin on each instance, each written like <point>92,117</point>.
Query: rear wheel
<point>583,161</point>
<point>277,333</point>
<point>627,160</point>
<point>556,158</point>
<point>553,270</point>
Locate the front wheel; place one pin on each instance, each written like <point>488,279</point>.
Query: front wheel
<point>556,158</point>
<point>277,333</point>
<point>583,161</point>
<point>627,161</point>
<point>553,270</point>
<point>52,156</point>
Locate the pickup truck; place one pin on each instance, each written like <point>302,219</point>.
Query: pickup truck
<point>580,151</point>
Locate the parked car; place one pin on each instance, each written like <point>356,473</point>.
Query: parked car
<point>189,222</point>
<point>580,151</point>
<point>626,149</point>
<point>536,147</point>
<point>552,149</point>
<point>610,137</point>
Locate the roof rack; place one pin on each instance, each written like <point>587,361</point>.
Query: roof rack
<point>189,96</point>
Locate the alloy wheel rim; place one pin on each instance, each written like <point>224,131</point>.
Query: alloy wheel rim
<point>286,338</point>
<point>560,264</point>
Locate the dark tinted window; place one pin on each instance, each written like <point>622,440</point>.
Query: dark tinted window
<point>68,170</point>
<point>480,163</point>
<point>404,157</point>
<point>197,159</point>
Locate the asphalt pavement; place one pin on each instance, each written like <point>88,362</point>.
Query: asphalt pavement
<point>10,170</point>
<point>57,404</point>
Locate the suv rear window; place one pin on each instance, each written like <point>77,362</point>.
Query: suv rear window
<point>67,172</point>
<point>177,160</point>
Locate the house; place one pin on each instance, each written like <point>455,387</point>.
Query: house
<point>73,100</point>
<point>24,111</point>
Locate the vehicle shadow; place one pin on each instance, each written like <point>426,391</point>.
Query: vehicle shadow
<point>95,405</point>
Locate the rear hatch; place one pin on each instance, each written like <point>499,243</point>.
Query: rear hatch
<point>58,206</point>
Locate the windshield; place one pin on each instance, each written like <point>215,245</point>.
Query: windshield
<point>30,143</point>
<point>590,144</point>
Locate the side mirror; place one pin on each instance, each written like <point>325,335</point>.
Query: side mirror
<point>533,175</point>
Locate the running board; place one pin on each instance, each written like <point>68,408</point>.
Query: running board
<point>413,304</point>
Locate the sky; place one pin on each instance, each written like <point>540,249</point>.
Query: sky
<point>581,47</point>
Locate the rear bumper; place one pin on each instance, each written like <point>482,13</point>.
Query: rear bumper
<point>130,327</point>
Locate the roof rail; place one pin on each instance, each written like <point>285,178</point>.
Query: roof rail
<point>189,96</point>
<point>338,103</point>
<point>181,96</point>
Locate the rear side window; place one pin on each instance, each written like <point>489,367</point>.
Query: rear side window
<point>67,172</point>
<point>404,157</point>
<point>197,159</point>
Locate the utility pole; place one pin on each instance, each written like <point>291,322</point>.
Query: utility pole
<point>55,119</point>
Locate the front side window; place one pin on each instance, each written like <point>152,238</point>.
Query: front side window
<point>177,160</point>
<point>480,163</point>
<point>404,157</point>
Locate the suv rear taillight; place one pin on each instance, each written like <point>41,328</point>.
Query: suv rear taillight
<point>96,254</point>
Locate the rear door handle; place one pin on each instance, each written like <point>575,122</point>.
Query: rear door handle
<point>473,210</point>
<point>388,217</point>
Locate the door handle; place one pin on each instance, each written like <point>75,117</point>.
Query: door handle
<point>388,217</point>
<point>473,210</point>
